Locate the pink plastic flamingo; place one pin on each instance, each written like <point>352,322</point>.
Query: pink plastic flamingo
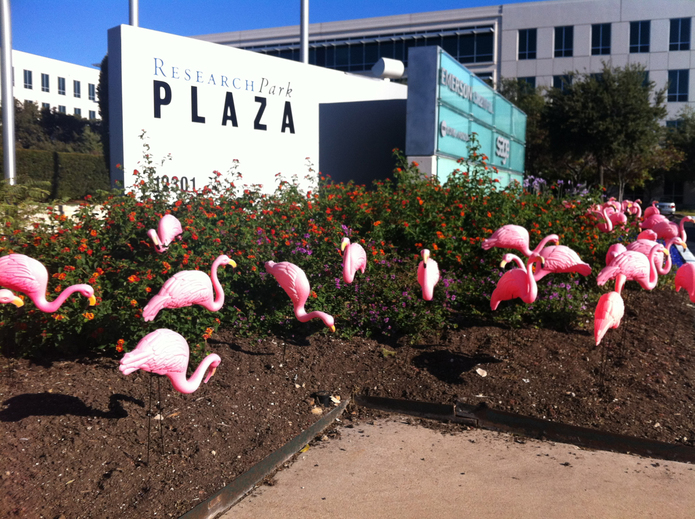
<point>609,311</point>
<point>169,228</point>
<point>652,220</point>
<point>517,282</point>
<point>607,225</point>
<point>667,229</point>
<point>354,259</point>
<point>165,352</point>
<point>7,297</point>
<point>516,237</point>
<point>427,275</point>
<point>651,210</point>
<point>187,288</point>
<point>24,274</point>
<point>295,283</point>
<point>631,265</point>
<point>685,278</point>
<point>644,246</point>
<point>559,259</point>
<point>635,209</point>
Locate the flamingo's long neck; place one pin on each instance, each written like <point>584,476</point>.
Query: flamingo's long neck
<point>681,228</point>
<point>53,306</point>
<point>653,277</point>
<point>531,286</point>
<point>550,237</point>
<point>219,291</point>
<point>609,222</point>
<point>183,385</point>
<point>301,314</point>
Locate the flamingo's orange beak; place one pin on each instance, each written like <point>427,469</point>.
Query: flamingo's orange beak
<point>503,264</point>
<point>92,301</point>
<point>333,328</point>
<point>17,302</point>
<point>343,245</point>
<point>232,263</point>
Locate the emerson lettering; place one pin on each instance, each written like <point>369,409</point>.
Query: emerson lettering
<point>463,90</point>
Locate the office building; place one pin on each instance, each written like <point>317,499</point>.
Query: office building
<point>54,84</point>
<point>538,41</point>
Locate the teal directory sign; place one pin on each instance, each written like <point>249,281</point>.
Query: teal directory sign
<point>447,103</point>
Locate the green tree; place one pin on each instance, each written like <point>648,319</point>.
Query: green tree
<point>682,138</point>
<point>609,121</point>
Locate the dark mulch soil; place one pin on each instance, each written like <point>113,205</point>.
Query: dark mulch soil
<point>75,431</point>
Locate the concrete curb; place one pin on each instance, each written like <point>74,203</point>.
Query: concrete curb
<point>227,497</point>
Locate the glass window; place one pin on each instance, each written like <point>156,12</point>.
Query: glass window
<point>371,54</point>
<point>680,34</point>
<point>600,39</point>
<point>562,82</point>
<point>527,43</point>
<point>564,41</point>
<point>47,106</point>
<point>530,81</point>
<point>44,83</point>
<point>28,80</point>
<point>678,85</point>
<point>92,114</point>
<point>78,111</point>
<point>61,109</point>
<point>356,56</point>
<point>92,92</point>
<point>639,36</point>
<point>61,86</point>
<point>77,88</point>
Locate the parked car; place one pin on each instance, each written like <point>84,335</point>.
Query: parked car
<point>667,207</point>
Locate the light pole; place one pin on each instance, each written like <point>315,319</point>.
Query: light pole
<point>134,15</point>
<point>8,135</point>
<point>304,32</point>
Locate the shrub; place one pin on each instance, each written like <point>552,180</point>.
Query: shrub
<point>393,221</point>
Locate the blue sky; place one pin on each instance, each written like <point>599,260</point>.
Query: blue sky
<point>75,30</point>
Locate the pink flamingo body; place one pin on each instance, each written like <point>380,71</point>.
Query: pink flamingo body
<point>26,275</point>
<point>7,297</point>
<point>667,229</point>
<point>652,220</point>
<point>618,219</point>
<point>651,210</point>
<point>635,209</point>
<point>609,311</point>
<point>613,251</point>
<point>294,282</point>
<point>516,237</point>
<point>165,352</point>
<point>515,283</point>
<point>168,230</point>
<point>559,259</point>
<point>647,234</point>
<point>354,259</point>
<point>187,288</point>
<point>632,265</point>
<point>685,278</point>
<point>663,266</point>
<point>427,275</point>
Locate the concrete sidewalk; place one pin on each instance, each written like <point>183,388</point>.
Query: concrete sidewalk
<point>393,469</point>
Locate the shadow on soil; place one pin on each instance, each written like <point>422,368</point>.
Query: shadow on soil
<point>53,404</point>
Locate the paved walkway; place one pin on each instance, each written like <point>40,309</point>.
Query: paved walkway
<point>392,469</point>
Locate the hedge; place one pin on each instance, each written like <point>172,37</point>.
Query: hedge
<point>72,175</point>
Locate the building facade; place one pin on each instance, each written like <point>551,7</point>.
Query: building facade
<point>54,84</point>
<point>538,41</point>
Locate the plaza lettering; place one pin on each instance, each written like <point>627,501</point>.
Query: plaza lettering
<point>464,90</point>
<point>163,97</point>
<point>502,149</point>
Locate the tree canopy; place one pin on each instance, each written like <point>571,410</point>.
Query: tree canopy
<point>609,122</point>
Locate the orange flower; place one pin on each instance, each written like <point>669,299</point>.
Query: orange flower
<point>133,302</point>
<point>93,232</point>
<point>119,345</point>
<point>88,315</point>
<point>133,278</point>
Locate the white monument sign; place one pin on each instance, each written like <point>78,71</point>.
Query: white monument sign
<point>208,104</point>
